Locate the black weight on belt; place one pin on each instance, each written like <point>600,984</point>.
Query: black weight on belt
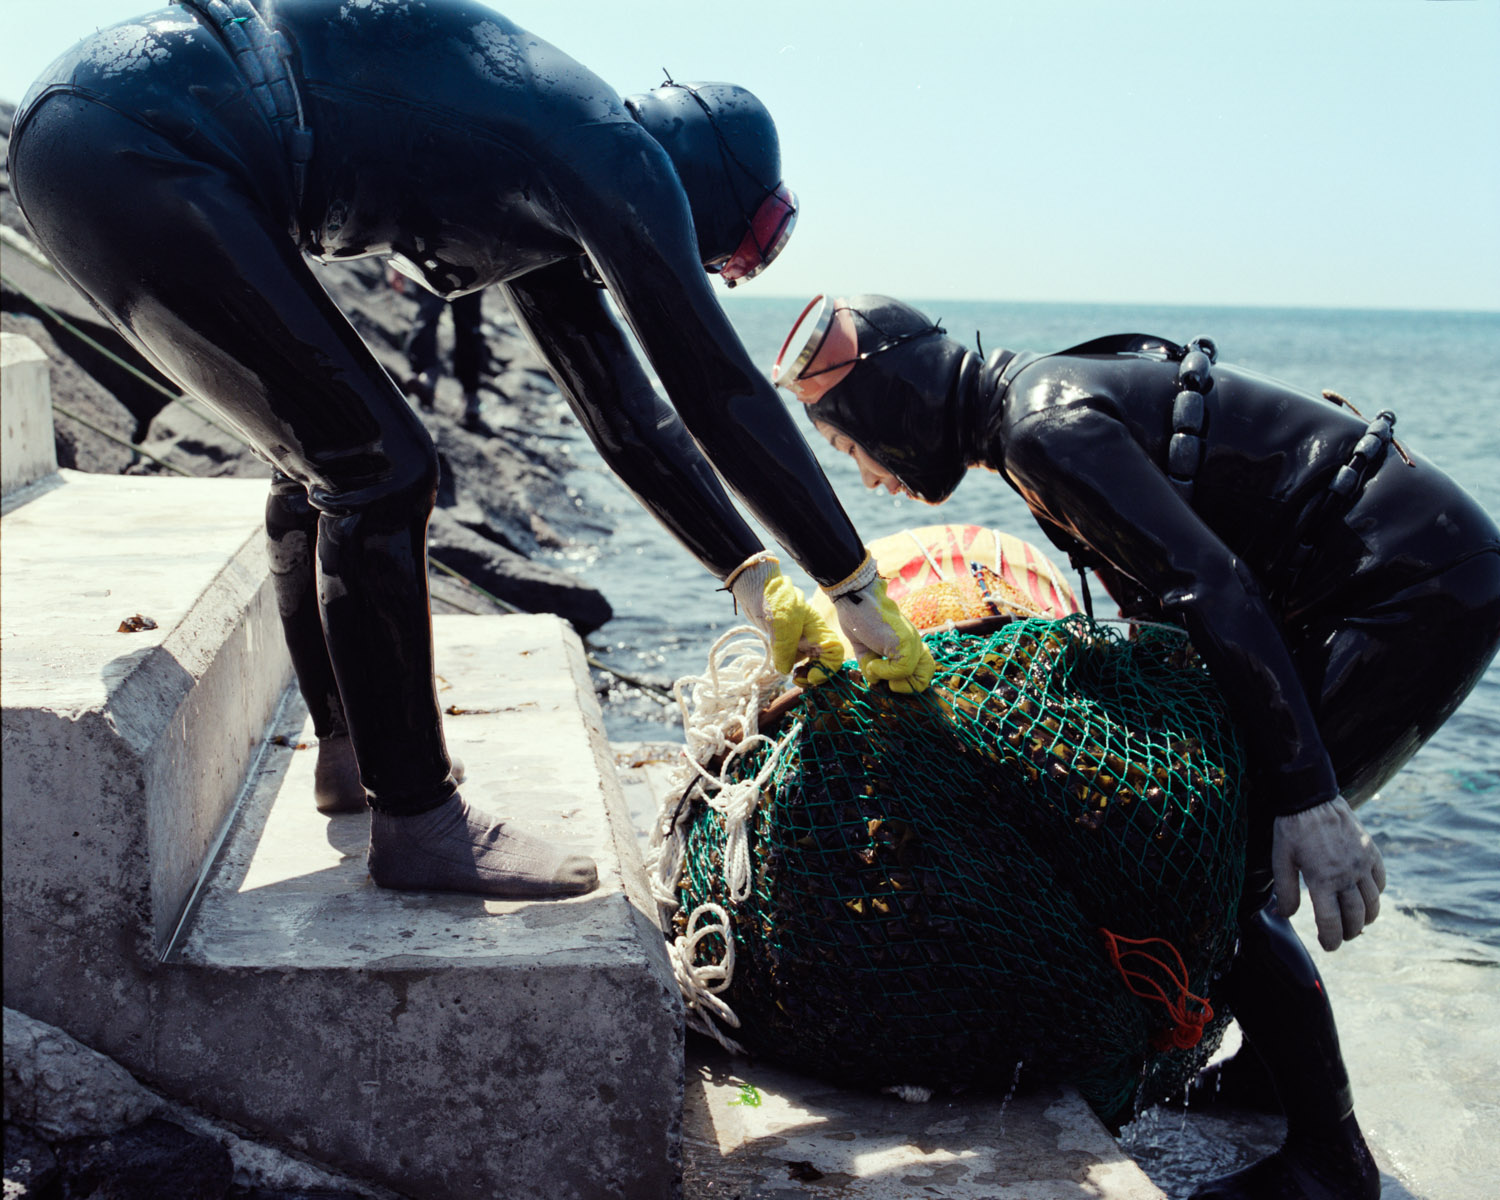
<point>1189,415</point>
<point>1337,498</point>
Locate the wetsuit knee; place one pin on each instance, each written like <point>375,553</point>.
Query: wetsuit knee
<point>399,488</point>
<point>288,507</point>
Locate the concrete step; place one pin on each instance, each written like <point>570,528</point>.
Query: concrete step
<point>755,1130</point>
<point>444,1045</point>
<point>27,448</point>
<point>123,751</point>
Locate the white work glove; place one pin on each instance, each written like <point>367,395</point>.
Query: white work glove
<point>1340,864</point>
<point>794,629</point>
<point>886,644</point>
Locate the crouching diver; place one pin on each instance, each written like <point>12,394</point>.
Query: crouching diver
<point>1344,593</point>
<point>177,168</point>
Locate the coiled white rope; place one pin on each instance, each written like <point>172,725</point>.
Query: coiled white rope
<point>720,711</point>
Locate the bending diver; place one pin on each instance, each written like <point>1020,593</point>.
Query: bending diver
<point>1312,561</point>
<point>177,167</point>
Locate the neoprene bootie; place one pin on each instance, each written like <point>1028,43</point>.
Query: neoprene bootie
<point>457,848</point>
<point>336,784</point>
<point>472,420</point>
<point>423,389</point>
<point>1334,1164</point>
<point>1274,990</point>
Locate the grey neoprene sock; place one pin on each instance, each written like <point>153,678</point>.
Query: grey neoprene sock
<point>457,848</point>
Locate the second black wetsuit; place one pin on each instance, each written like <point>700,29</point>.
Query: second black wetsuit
<point>1337,663</point>
<point>474,153</point>
<point>1336,669</point>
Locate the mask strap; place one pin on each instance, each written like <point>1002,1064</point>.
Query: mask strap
<point>726,152</point>
<point>892,340</point>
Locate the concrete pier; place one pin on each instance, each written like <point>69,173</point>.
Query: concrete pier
<point>445,1045</point>
<point>113,793</point>
<point>27,451</point>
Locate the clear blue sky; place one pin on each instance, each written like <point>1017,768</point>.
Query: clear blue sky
<point>1257,152</point>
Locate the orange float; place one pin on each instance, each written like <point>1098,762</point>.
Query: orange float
<point>942,573</point>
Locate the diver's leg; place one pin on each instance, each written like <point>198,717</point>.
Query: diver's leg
<point>421,349</point>
<point>291,539</point>
<point>1277,996</point>
<point>1384,680</point>
<point>193,269</point>
<point>469,354</point>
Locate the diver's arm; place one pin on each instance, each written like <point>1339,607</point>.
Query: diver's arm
<point>636,432</point>
<point>1081,468</point>
<point>646,254</point>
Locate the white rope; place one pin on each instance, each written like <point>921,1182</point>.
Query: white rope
<point>720,711</point>
<point>700,985</point>
<point>927,554</point>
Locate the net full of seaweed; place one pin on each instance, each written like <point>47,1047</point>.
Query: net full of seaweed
<point>1037,861</point>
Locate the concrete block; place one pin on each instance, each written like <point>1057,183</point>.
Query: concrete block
<point>443,1045</point>
<point>755,1130</point>
<point>123,752</point>
<point>28,450</point>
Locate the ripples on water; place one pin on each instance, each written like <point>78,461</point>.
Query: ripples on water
<point>1419,997</point>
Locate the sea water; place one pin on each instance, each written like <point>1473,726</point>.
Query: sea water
<point>1418,996</point>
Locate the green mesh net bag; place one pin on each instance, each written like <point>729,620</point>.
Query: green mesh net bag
<point>1031,867</point>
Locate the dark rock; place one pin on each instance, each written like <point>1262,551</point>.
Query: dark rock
<point>149,1161</point>
<point>30,1166</point>
<point>530,586</point>
<point>293,1194</point>
<point>92,343</point>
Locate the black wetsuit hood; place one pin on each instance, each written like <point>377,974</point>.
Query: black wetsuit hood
<point>910,401</point>
<point>723,144</point>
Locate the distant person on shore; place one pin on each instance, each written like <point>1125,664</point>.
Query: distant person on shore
<point>176,168</point>
<point>424,361</point>
<point>1343,593</point>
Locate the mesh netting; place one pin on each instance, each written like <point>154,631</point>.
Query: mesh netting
<point>931,876</point>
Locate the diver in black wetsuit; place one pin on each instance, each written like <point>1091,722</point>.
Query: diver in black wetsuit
<point>470,351</point>
<point>177,168</point>
<point>1344,593</point>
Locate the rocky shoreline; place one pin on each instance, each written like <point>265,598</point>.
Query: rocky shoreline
<point>77,1124</point>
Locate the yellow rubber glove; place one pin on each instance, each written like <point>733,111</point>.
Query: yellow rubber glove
<point>795,630</point>
<point>886,644</point>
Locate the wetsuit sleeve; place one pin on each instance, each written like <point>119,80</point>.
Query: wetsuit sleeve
<point>636,432</point>
<point>646,254</point>
<point>1081,469</point>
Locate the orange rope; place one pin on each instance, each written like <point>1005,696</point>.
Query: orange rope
<point>1187,1027</point>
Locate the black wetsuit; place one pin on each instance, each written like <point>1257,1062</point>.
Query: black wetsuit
<point>479,154</point>
<point>1344,594</point>
<point>1343,623</point>
<point>1337,667</point>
